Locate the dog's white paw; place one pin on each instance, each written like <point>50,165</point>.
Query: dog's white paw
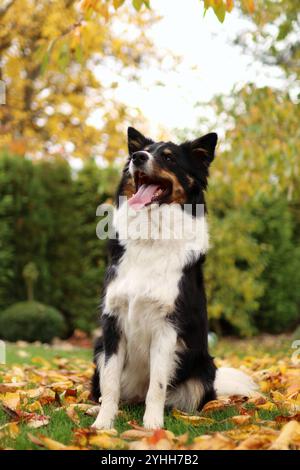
<point>104,420</point>
<point>103,423</point>
<point>153,421</point>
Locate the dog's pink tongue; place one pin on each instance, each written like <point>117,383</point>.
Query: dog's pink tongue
<point>143,196</point>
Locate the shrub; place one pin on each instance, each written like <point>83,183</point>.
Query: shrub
<point>280,304</point>
<point>31,321</point>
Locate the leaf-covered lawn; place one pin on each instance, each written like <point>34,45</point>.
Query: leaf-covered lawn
<point>44,395</point>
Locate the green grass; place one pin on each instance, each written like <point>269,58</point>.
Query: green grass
<point>14,353</point>
<point>257,347</point>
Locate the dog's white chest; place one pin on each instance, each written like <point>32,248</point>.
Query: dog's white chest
<point>147,279</point>
<point>150,269</point>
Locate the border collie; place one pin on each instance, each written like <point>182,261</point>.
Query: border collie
<point>154,344</point>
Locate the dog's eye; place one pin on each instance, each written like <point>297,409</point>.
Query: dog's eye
<point>168,155</point>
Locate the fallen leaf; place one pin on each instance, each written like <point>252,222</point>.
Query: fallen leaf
<point>255,443</point>
<point>38,422</point>
<point>107,442</point>
<point>216,405</point>
<point>50,444</point>
<point>290,431</point>
<point>215,442</point>
<point>135,434</point>
<point>241,420</point>
<point>10,400</point>
<point>195,420</point>
<point>9,430</point>
<point>73,415</point>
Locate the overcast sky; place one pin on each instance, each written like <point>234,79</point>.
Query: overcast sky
<point>210,65</point>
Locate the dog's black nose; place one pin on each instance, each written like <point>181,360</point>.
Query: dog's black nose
<point>139,158</point>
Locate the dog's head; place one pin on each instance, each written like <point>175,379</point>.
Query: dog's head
<point>165,173</point>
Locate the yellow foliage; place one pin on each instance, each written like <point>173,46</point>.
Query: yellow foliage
<point>48,56</point>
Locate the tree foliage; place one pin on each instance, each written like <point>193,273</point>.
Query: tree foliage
<point>220,7</point>
<point>48,67</point>
<point>253,267</point>
<point>275,39</point>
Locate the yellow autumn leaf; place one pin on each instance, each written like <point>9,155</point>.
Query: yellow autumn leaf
<point>269,406</point>
<point>49,444</point>
<point>11,400</point>
<point>288,433</point>
<point>190,419</point>
<point>107,442</point>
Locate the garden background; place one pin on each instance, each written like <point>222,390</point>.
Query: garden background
<point>73,76</point>
<point>63,140</point>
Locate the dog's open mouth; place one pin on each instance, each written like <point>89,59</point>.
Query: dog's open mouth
<point>149,190</point>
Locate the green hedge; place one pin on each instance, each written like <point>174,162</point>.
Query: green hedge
<point>31,321</point>
<point>48,217</point>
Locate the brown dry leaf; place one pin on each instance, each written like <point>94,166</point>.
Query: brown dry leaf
<point>11,387</point>
<point>135,434</point>
<point>47,396</point>
<point>48,443</point>
<point>285,439</point>
<point>255,442</point>
<point>162,444</point>
<point>277,397</point>
<point>83,396</point>
<point>32,392</point>
<point>286,419</point>
<point>158,440</point>
<point>257,399</point>
<point>216,405</point>
<point>158,435</point>
<point>294,387</point>
<point>14,415</point>
<point>35,406</point>
<point>241,420</point>
<point>10,400</point>
<point>142,444</point>
<point>106,442</point>
<point>61,387</point>
<point>241,433</point>
<point>195,420</point>
<point>83,435</point>
<point>9,430</point>
<point>215,442</point>
<point>269,406</point>
<point>73,415</point>
<point>135,425</point>
<point>39,421</point>
<point>42,362</point>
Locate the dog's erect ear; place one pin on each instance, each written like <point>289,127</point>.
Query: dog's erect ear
<point>204,147</point>
<point>136,140</point>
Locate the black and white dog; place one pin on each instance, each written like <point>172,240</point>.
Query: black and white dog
<point>154,345</point>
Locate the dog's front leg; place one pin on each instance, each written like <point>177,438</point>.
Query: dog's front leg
<point>111,366</point>
<point>162,362</point>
